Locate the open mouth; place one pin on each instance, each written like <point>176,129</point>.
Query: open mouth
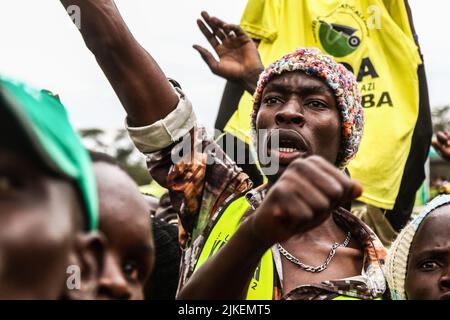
<point>287,145</point>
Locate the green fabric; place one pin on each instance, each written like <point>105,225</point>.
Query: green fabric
<point>45,123</point>
<point>262,283</point>
<point>433,154</point>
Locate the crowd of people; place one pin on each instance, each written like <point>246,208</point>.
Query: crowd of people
<point>74,224</point>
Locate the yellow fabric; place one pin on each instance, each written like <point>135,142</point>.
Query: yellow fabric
<point>261,285</point>
<point>153,189</point>
<point>385,57</point>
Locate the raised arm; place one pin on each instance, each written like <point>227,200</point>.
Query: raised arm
<point>239,60</point>
<point>136,78</point>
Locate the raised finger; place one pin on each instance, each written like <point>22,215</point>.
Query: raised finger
<point>212,21</point>
<point>235,28</point>
<point>217,26</point>
<point>208,34</point>
<point>207,57</point>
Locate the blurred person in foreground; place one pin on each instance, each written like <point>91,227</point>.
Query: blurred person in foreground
<point>49,245</point>
<point>126,223</point>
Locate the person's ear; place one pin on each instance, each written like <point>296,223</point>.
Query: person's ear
<point>88,259</point>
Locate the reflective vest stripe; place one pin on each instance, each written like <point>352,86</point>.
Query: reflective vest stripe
<point>261,285</point>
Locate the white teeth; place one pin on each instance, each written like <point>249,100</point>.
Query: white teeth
<point>288,150</point>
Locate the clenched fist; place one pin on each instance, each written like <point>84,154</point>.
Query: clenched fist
<point>302,198</point>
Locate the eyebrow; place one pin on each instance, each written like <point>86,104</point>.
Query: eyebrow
<point>303,91</point>
<point>437,253</point>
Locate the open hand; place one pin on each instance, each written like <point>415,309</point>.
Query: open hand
<point>239,59</point>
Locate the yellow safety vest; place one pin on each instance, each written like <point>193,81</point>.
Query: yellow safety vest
<point>262,284</point>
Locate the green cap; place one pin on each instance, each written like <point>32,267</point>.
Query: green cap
<point>44,122</point>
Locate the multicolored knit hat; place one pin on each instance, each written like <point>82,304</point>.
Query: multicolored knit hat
<point>339,79</point>
<point>397,259</point>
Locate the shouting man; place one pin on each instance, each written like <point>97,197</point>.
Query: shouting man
<point>290,238</point>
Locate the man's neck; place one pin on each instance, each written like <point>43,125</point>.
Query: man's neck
<point>327,231</point>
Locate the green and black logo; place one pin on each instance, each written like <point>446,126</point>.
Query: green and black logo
<point>341,32</point>
<point>338,40</point>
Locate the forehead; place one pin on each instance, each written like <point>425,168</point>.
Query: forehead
<point>121,204</point>
<point>434,230</point>
<point>297,81</point>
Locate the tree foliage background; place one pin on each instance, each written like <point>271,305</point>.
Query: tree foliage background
<point>441,118</point>
<point>118,144</point>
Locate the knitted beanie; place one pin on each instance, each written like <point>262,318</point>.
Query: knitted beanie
<point>397,260</point>
<point>338,78</point>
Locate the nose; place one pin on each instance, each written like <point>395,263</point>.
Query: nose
<point>290,114</point>
<point>113,284</point>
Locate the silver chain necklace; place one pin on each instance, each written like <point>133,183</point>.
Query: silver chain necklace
<point>324,265</point>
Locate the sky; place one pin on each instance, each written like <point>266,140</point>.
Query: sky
<point>40,45</point>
